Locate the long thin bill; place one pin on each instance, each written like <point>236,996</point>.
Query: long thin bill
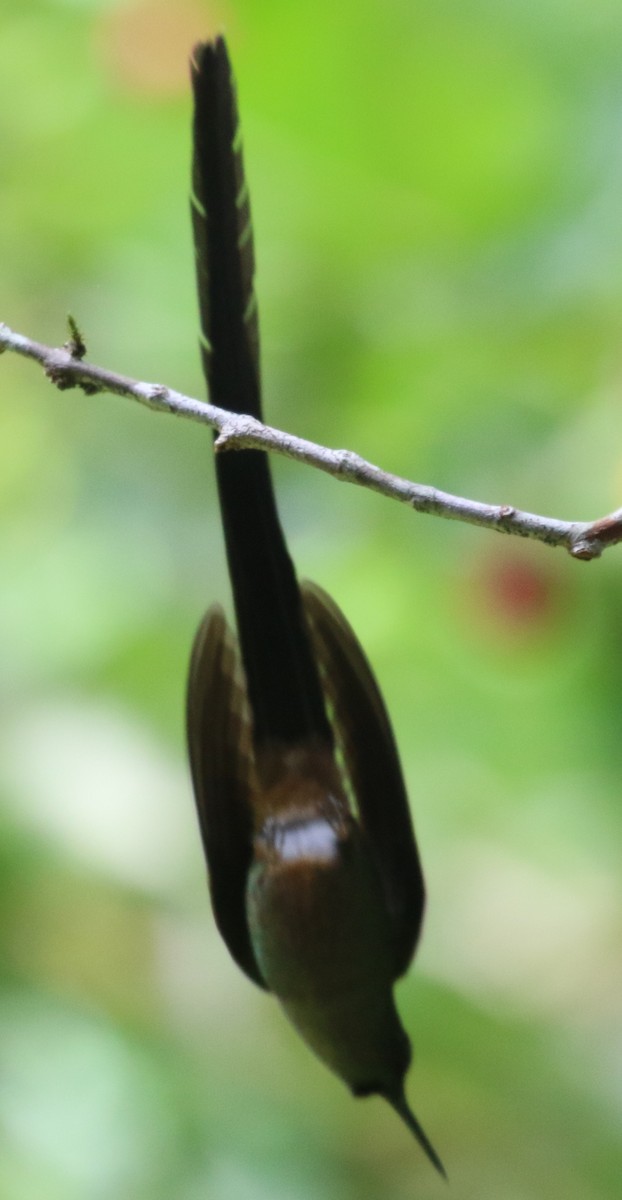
<point>400,1104</point>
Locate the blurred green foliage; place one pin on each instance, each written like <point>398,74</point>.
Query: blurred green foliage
<point>437,205</point>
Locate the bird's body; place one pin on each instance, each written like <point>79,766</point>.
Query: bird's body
<point>314,872</point>
<point>322,938</point>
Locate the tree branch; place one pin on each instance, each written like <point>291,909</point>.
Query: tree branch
<point>584,540</point>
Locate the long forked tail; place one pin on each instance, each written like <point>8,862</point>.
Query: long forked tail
<point>283,682</point>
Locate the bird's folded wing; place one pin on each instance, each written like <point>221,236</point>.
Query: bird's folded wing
<point>221,762</point>
<point>372,766</point>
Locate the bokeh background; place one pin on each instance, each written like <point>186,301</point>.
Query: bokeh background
<point>437,197</point>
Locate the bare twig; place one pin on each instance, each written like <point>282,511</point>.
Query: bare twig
<point>582,539</point>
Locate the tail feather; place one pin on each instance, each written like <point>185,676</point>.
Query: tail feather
<point>283,683</point>
<point>223,237</point>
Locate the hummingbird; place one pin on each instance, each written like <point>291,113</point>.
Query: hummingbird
<point>314,873</point>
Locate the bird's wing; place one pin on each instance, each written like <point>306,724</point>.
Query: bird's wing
<point>222,767</point>
<point>372,766</point>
